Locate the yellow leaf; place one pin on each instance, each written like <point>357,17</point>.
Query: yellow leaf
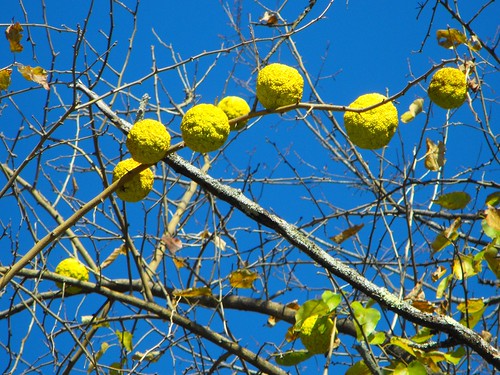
<point>407,117</point>
<point>464,267</point>
<point>36,74</point>
<point>95,321</point>
<point>179,262</point>
<point>151,356</point>
<point>5,78</point>
<point>474,305</point>
<point>415,108</point>
<point>291,334</point>
<point>450,38</point>
<point>437,274</point>
<point>98,355</point>
<point>491,256</point>
<point>472,311</point>
<point>416,292</point>
<point>434,157</point>
<point>349,232</point>
<point>192,292</point>
<point>404,344</point>
<point>453,201</point>
<point>272,320</point>
<point>125,338</point>
<point>493,217</point>
<point>14,35</point>
<point>122,250</point>
<point>243,278</point>
<point>443,285</point>
<point>474,43</point>
<point>447,236</point>
<point>424,306</point>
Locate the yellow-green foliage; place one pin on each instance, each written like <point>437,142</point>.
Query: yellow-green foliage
<point>448,88</point>
<point>315,334</point>
<point>71,267</point>
<point>148,141</point>
<point>205,128</point>
<point>138,187</point>
<point>279,85</point>
<point>233,107</point>
<point>374,128</point>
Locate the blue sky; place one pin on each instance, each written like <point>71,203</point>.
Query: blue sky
<point>357,48</point>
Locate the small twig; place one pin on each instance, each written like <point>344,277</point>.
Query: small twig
<point>62,228</point>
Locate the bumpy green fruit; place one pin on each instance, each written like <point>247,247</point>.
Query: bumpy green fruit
<point>71,267</point>
<point>148,141</point>
<point>316,333</point>
<point>205,128</point>
<point>374,128</point>
<point>448,88</point>
<point>279,85</point>
<point>136,188</point>
<point>233,107</point>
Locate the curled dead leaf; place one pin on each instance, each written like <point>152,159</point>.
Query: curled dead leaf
<point>14,35</point>
<point>434,157</point>
<point>37,74</point>
<point>349,232</point>
<point>243,278</point>
<point>5,80</point>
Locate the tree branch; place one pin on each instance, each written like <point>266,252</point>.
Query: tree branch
<point>236,198</point>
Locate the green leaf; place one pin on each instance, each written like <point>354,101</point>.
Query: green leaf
<point>453,201</point>
<point>366,317</point>
<point>493,199</point>
<point>311,307</point>
<point>443,285</point>
<point>376,338</point>
<point>416,368</point>
<point>125,339</point>
<point>359,368</point>
<point>291,358</point>
<point>404,344</point>
<point>455,356</point>
<point>115,368</point>
<point>99,354</point>
<point>152,357</point>
<point>423,335</point>
<point>446,237</point>
<point>450,38</point>
<point>489,231</point>
<point>332,300</point>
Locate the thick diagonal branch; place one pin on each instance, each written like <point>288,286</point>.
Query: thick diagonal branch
<point>295,237</point>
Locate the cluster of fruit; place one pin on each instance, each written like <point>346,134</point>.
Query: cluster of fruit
<point>205,128</point>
